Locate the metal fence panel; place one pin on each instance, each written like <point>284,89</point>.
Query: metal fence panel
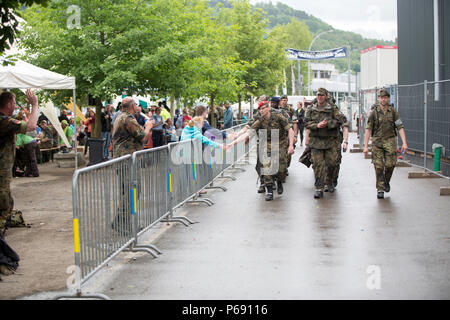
<point>101,205</point>
<point>425,111</point>
<point>151,182</point>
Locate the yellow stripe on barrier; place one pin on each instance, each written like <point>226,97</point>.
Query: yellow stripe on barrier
<point>76,235</point>
<point>135,205</point>
<point>170,180</point>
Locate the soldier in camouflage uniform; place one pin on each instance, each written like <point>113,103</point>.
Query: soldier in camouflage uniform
<point>292,120</point>
<point>275,104</point>
<point>382,124</point>
<point>269,120</point>
<point>9,127</point>
<point>256,115</point>
<point>127,135</point>
<point>343,135</point>
<point>322,122</point>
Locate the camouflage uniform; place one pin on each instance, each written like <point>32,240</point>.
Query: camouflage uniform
<point>384,142</point>
<point>127,138</point>
<point>9,127</point>
<point>276,122</point>
<point>249,124</point>
<point>292,118</point>
<point>342,119</point>
<point>322,141</point>
<point>127,135</point>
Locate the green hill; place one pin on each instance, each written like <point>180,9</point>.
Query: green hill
<point>280,13</point>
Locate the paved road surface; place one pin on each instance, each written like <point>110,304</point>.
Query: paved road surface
<point>298,247</point>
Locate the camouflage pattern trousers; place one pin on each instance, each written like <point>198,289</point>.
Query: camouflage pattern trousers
<point>337,167</point>
<point>274,166</point>
<point>323,161</point>
<point>6,200</point>
<point>384,159</point>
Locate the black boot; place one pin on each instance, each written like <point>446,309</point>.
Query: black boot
<point>318,194</point>
<point>261,189</point>
<point>387,187</point>
<point>279,187</point>
<point>380,195</point>
<point>269,193</point>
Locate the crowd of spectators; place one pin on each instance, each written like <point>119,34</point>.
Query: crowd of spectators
<point>39,145</point>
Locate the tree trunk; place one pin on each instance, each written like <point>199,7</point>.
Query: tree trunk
<point>211,111</point>
<point>239,110</point>
<point>97,129</point>
<point>172,105</point>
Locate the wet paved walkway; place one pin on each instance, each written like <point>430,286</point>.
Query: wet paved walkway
<point>348,245</point>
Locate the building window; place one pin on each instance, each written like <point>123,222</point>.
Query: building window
<point>325,74</point>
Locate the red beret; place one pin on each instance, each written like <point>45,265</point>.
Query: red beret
<point>261,103</point>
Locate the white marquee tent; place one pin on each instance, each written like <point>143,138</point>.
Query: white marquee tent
<point>22,75</point>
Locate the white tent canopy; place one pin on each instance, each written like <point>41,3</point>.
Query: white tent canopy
<point>23,75</point>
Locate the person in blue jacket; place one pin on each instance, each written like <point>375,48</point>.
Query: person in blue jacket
<point>193,131</point>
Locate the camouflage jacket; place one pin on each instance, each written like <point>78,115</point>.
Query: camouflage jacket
<point>127,135</point>
<point>291,113</point>
<point>342,121</point>
<point>9,127</point>
<point>322,138</point>
<point>383,126</point>
<point>276,122</point>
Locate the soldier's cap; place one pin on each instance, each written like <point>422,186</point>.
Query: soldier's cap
<point>275,99</point>
<point>262,103</point>
<point>262,98</point>
<point>322,91</point>
<point>384,93</point>
<point>43,121</point>
<point>283,97</point>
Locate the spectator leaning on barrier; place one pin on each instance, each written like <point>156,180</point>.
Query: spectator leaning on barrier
<point>128,136</point>
<point>383,124</point>
<point>209,131</point>
<point>192,131</point>
<point>9,127</point>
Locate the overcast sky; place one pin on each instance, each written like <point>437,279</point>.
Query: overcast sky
<point>375,19</point>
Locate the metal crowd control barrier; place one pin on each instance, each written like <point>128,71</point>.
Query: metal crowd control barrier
<point>150,192</point>
<point>102,222</point>
<point>114,202</point>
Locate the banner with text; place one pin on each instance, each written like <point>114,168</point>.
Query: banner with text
<point>294,54</point>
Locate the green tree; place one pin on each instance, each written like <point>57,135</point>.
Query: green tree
<point>261,57</point>
<point>9,11</point>
<point>295,35</point>
<point>104,53</point>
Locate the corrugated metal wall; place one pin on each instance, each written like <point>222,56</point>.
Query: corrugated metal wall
<point>415,41</point>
